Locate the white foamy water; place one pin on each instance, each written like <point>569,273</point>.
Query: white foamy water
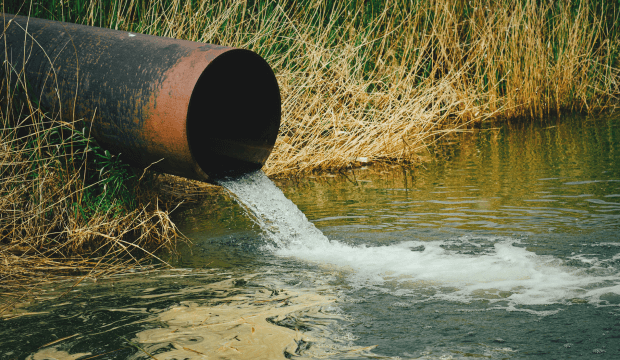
<point>280,219</point>
<point>499,271</point>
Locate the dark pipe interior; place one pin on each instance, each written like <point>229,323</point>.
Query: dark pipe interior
<point>234,114</point>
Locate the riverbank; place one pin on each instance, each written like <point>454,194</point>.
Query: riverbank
<point>360,82</point>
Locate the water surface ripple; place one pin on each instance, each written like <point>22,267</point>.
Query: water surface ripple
<point>507,247</point>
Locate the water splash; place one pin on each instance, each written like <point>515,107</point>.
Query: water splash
<point>280,219</point>
<point>498,269</point>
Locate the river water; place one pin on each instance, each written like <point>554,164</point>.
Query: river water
<point>507,247</point>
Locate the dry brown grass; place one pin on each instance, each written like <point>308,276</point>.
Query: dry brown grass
<point>434,76</point>
<point>61,216</point>
<point>380,80</point>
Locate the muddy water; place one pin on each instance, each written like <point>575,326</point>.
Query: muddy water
<point>507,248</point>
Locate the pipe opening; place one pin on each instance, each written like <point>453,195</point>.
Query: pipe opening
<point>234,114</point>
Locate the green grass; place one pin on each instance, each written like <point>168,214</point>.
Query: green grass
<point>67,206</point>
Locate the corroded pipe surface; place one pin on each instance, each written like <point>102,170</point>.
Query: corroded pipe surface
<point>196,110</point>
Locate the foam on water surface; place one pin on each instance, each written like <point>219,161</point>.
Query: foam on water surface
<point>466,268</point>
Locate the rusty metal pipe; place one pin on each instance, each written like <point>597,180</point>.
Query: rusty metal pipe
<point>196,110</point>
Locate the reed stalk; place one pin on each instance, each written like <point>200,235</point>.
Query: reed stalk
<point>67,207</point>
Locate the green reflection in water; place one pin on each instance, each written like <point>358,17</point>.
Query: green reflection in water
<point>560,176</point>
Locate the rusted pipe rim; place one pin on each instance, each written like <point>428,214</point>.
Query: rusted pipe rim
<point>234,114</point>
<point>196,110</point>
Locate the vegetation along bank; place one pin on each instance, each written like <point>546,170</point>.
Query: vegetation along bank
<point>360,81</point>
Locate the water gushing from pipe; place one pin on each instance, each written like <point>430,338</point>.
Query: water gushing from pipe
<point>280,219</point>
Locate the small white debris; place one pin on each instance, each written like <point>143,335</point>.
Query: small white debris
<point>131,35</point>
<point>362,159</point>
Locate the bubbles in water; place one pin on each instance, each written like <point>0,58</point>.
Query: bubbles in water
<point>493,268</point>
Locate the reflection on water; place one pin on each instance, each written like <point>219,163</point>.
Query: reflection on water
<point>508,249</point>
<point>259,324</point>
<point>523,177</point>
<point>183,314</point>
<point>519,221</point>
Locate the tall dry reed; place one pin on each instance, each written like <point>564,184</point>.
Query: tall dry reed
<point>380,80</point>
<point>67,207</point>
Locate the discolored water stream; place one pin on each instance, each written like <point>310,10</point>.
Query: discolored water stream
<point>508,247</point>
